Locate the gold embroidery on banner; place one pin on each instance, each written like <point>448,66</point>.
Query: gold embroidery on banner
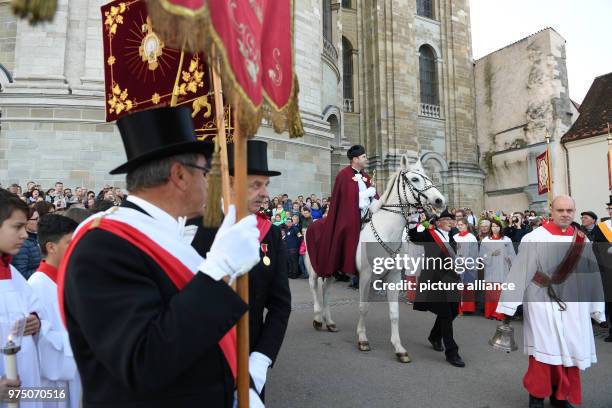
<point>151,46</point>
<point>198,104</point>
<point>119,100</point>
<point>114,18</point>
<point>193,78</point>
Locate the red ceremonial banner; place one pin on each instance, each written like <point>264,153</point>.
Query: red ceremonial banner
<point>543,174</point>
<point>141,71</point>
<point>254,42</point>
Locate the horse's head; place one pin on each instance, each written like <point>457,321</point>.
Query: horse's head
<point>409,186</point>
<point>420,190</point>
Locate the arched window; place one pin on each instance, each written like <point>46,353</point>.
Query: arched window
<point>428,76</point>
<point>425,8</point>
<point>347,68</point>
<point>327,20</point>
<point>334,127</point>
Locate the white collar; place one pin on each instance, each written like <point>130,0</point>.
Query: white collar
<point>159,214</point>
<point>444,234</point>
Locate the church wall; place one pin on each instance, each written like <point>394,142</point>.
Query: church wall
<point>8,35</point>
<point>53,114</point>
<point>521,93</point>
<point>588,170</point>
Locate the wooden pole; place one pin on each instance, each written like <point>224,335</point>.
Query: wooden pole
<point>221,134</point>
<point>240,191</point>
<point>175,89</point>
<point>609,160</point>
<point>549,194</point>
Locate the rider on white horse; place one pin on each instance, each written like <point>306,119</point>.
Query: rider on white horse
<point>337,235</point>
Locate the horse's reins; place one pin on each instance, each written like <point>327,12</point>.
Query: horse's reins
<point>405,206</point>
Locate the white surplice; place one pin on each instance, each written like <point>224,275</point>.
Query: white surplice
<point>467,249</point>
<point>553,336</point>
<point>497,256</point>
<point>16,296</point>
<point>57,366</point>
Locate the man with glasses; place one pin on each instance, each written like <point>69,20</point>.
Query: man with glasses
<point>269,294</point>
<point>150,321</point>
<point>602,238</point>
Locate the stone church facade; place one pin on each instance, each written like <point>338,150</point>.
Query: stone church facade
<point>396,76</point>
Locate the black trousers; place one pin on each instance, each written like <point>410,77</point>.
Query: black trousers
<point>609,316</point>
<point>442,330</point>
<point>292,261</point>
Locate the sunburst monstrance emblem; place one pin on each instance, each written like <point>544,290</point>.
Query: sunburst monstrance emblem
<point>151,47</point>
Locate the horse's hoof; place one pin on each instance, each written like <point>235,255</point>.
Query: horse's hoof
<point>332,328</point>
<point>403,357</point>
<point>317,325</point>
<point>363,345</point>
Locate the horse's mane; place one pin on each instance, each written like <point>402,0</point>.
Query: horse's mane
<point>385,196</point>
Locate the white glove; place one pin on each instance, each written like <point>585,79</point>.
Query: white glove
<point>370,192</point>
<point>413,220</point>
<point>375,206</point>
<point>235,249</point>
<point>254,400</point>
<point>258,368</point>
<point>598,317</point>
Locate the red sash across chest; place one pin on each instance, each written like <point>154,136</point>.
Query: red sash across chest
<point>176,271</point>
<point>439,241</point>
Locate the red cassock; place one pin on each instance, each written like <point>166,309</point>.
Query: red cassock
<point>332,241</point>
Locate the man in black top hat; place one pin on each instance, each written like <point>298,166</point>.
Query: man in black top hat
<point>269,293</point>
<point>439,245</point>
<point>602,238</point>
<point>149,319</point>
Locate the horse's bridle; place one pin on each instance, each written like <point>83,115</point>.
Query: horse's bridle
<point>404,205</point>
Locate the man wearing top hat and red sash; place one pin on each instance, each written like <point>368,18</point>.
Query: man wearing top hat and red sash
<point>332,241</point>
<point>555,275</point>
<point>269,294</point>
<point>602,237</point>
<point>150,321</point>
<point>439,244</point>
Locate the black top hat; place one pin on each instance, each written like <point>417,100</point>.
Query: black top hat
<point>610,201</point>
<point>446,214</point>
<point>156,134</point>
<point>257,159</point>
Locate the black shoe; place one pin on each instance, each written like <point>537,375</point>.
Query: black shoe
<point>560,403</point>
<point>455,360</point>
<point>608,339</point>
<point>436,344</point>
<point>535,402</point>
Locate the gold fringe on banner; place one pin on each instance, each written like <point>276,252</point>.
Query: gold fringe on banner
<point>287,118</point>
<point>212,214</point>
<point>178,25</point>
<point>36,11</point>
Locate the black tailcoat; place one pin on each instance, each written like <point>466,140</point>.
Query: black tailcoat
<point>138,341</point>
<point>442,303</point>
<point>268,290</point>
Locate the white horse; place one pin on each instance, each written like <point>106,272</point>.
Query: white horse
<point>407,190</point>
